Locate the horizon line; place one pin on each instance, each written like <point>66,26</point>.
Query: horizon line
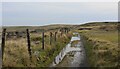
<point>57,24</point>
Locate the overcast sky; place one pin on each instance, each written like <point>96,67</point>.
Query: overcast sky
<point>59,0</point>
<point>44,13</point>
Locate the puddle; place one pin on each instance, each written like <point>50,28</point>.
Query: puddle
<point>71,56</point>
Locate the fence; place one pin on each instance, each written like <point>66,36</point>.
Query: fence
<point>29,41</point>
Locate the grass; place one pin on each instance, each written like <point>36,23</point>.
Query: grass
<point>16,51</point>
<point>101,47</point>
<point>88,48</point>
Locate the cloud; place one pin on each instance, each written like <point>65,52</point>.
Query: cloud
<point>33,13</point>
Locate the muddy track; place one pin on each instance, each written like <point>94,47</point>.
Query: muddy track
<point>71,55</point>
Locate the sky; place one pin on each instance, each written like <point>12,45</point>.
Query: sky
<point>45,13</point>
<point>59,0</point>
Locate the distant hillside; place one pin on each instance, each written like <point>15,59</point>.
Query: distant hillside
<point>58,26</point>
<point>100,25</point>
<point>46,27</point>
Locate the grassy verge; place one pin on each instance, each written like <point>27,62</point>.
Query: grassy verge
<point>16,53</point>
<point>101,47</point>
<point>88,48</point>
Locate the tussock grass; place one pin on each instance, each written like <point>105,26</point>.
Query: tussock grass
<point>101,47</point>
<point>16,51</point>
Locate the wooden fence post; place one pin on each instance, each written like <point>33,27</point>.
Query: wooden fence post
<point>50,38</point>
<point>67,31</point>
<point>43,40</point>
<point>28,41</point>
<point>64,30</point>
<point>55,35</point>
<point>61,34</point>
<point>3,41</point>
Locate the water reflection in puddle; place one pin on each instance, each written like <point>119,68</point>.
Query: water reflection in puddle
<point>71,56</point>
